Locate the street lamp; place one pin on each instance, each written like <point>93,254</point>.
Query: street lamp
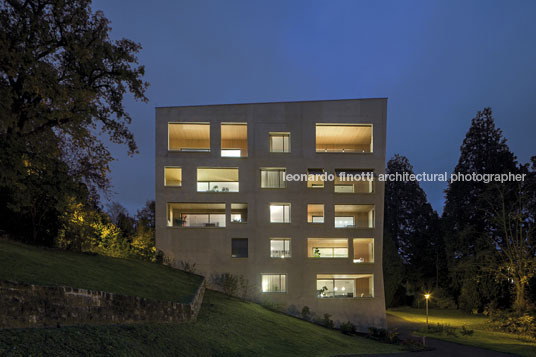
<point>427,297</point>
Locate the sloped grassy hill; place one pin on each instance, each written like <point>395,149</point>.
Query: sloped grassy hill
<point>27,264</point>
<point>225,326</point>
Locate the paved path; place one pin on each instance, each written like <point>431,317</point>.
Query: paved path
<point>441,348</point>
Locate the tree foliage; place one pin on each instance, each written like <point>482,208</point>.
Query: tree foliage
<point>62,85</point>
<point>469,224</point>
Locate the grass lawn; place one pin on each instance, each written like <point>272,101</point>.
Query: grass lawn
<point>23,263</point>
<point>225,326</point>
<point>482,337</point>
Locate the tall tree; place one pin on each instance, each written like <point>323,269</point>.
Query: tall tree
<point>513,208</point>
<point>62,82</point>
<point>468,225</point>
<point>413,226</point>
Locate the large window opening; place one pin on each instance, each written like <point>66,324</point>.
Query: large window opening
<point>327,248</point>
<point>193,137</point>
<point>344,138</point>
<point>354,216</point>
<point>344,285</point>
<point>197,215</point>
<point>217,180</point>
<point>234,140</point>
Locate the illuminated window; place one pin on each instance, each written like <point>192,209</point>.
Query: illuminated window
<point>363,250</point>
<point>274,283</point>
<point>223,179</point>
<point>344,138</point>
<point>344,286</point>
<point>193,137</point>
<point>315,213</point>
<point>327,248</point>
<point>279,142</point>
<point>172,176</point>
<point>280,248</point>
<point>279,212</point>
<point>354,181</point>
<point>234,140</point>
<point>273,178</point>
<point>196,215</point>
<point>354,216</point>
<point>239,212</point>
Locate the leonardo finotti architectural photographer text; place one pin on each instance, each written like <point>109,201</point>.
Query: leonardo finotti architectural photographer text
<point>406,176</point>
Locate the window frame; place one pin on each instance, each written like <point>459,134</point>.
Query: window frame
<point>281,181</point>
<point>285,240</point>
<point>282,134</point>
<point>237,255</point>
<point>283,204</point>
<point>281,291</point>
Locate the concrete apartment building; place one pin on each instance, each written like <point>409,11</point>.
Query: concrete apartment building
<point>222,201</point>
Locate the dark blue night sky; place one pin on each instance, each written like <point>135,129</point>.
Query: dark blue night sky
<point>438,62</point>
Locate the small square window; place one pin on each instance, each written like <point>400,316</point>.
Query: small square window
<point>279,142</point>
<point>173,176</point>
<point>239,247</point>
<point>279,212</point>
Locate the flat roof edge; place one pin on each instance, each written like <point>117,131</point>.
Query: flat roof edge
<point>282,102</point>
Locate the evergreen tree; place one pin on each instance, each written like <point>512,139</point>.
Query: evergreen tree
<point>413,226</point>
<point>467,222</point>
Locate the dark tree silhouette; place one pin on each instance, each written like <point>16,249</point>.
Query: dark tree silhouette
<point>468,224</point>
<point>413,226</point>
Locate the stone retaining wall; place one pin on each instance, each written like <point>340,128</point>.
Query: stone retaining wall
<point>29,305</point>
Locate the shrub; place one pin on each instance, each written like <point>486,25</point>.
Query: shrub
<point>186,266</point>
<point>522,325</point>
<point>327,322</point>
<point>228,283</point>
<point>442,300</point>
<point>442,329</point>
<point>466,332</point>
<point>348,328</point>
<point>384,335</point>
<point>306,313</point>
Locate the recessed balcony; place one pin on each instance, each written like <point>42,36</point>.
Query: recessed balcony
<point>234,140</point>
<point>343,138</point>
<point>216,179</point>
<point>344,286</point>
<point>363,250</point>
<point>196,215</point>
<point>189,137</point>
<point>354,216</point>
<point>327,248</point>
<point>354,181</point>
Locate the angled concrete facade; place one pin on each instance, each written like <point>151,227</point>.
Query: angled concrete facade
<point>305,272</point>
